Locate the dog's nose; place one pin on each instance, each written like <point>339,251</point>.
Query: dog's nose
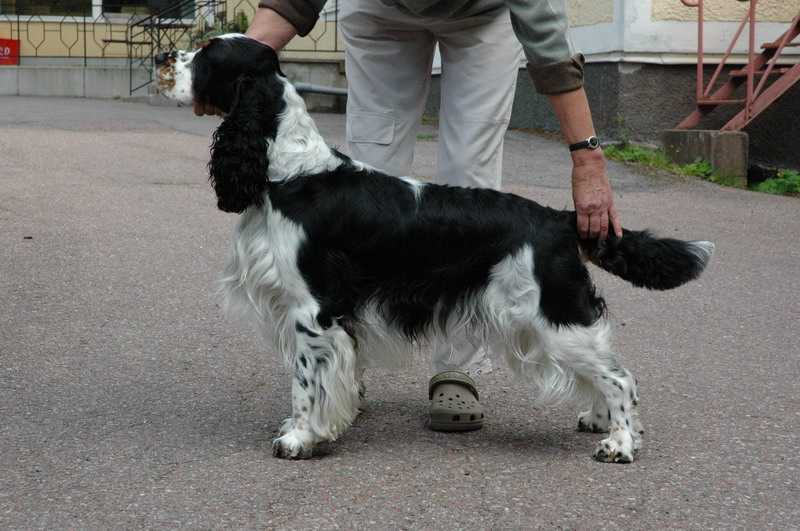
<point>162,58</point>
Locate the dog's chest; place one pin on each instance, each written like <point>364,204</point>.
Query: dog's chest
<point>262,270</point>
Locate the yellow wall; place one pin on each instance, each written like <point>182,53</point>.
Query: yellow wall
<point>54,39</point>
<point>727,10</point>
<point>589,12</point>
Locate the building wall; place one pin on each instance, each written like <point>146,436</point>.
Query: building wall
<point>726,10</point>
<point>665,31</point>
<point>587,12</point>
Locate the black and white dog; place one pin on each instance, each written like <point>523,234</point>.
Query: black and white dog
<point>347,264</point>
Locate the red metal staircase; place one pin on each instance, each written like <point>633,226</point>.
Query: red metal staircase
<point>773,80</point>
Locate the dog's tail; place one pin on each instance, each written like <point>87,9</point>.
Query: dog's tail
<point>647,261</point>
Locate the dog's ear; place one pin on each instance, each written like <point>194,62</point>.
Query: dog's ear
<point>239,166</point>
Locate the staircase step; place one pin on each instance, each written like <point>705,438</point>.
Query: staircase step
<point>775,45</point>
<point>708,102</point>
<point>742,72</point>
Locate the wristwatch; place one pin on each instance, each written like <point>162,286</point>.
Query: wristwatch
<point>590,143</point>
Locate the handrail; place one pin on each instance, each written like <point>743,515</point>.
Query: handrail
<point>760,62</point>
<point>703,91</point>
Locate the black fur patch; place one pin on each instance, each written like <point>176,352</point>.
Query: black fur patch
<point>368,242</point>
<point>238,76</point>
<point>302,329</point>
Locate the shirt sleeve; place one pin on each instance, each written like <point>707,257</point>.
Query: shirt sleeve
<point>541,27</point>
<point>302,14</point>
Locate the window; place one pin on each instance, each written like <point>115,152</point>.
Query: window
<point>148,7</point>
<point>96,8</point>
<point>79,8</point>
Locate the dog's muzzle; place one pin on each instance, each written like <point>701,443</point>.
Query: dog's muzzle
<point>165,70</point>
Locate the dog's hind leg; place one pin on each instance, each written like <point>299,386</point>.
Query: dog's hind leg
<point>586,351</point>
<point>325,390</point>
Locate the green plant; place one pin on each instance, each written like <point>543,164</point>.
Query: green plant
<point>238,24</point>
<point>630,153</point>
<point>785,182</point>
<point>699,168</point>
<point>428,119</point>
<point>656,158</point>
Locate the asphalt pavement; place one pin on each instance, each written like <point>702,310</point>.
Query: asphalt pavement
<point>128,401</point>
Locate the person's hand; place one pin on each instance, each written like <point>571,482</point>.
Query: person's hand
<point>594,201</point>
<point>205,109</point>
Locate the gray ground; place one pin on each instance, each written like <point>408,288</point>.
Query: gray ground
<point>127,401</point>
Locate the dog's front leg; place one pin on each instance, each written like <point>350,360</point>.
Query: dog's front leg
<point>325,391</point>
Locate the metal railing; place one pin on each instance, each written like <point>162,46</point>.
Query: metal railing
<point>179,26</point>
<point>105,33</point>
<point>757,97</point>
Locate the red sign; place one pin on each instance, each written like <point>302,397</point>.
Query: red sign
<point>9,52</point>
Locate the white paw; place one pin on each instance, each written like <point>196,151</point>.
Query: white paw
<point>286,426</point>
<point>590,421</point>
<point>293,445</point>
<point>618,448</point>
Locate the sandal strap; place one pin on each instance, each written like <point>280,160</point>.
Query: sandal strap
<point>455,377</point>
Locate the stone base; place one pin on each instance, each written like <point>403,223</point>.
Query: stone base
<point>727,151</point>
<point>68,80</point>
<point>65,78</point>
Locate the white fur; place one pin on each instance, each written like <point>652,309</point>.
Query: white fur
<point>180,74</point>
<point>298,148</point>
<point>416,187</point>
<point>261,278</point>
<point>703,250</point>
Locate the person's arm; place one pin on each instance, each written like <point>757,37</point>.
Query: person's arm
<point>557,72</point>
<point>271,28</point>
<point>591,191</point>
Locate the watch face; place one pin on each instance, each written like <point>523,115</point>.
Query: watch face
<point>594,142</point>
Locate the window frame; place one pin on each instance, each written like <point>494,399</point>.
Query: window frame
<point>97,16</point>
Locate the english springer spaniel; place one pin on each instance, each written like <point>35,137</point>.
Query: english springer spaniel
<point>349,266</point>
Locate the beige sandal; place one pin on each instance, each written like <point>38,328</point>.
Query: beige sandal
<point>454,403</point>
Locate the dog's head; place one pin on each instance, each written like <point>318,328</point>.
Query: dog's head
<point>242,78</point>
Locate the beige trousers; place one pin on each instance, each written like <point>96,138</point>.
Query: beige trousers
<point>388,59</point>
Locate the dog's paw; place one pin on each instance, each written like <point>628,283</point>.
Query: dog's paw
<point>286,426</point>
<point>619,448</point>
<point>592,422</point>
<point>290,446</point>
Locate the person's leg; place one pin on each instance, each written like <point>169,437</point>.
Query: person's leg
<point>480,61</point>
<point>388,56</point>
<point>388,59</point>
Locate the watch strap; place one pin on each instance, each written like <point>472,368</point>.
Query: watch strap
<point>590,143</point>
